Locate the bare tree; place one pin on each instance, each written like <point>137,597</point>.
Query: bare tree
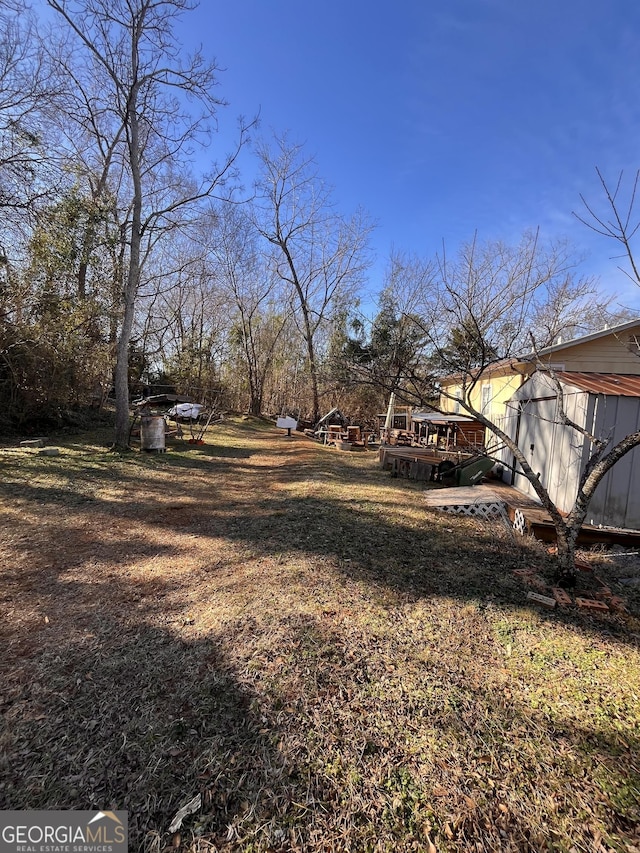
<point>321,255</point>
<point>141,116</point>
<point>186,319</point>
<point>620,221</point>
<point>495,303</point>
<point>249,280</point>
<point>25,91</point>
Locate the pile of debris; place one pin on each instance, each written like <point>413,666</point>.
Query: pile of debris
<point>336,430</point>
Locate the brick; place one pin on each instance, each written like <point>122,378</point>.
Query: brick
<point>524,573</point>
<point>563,598</point>
<point>583,566</point>
<point>604,594</point>
<point>592,604</point>
<point>542,600</point>
<point>618,604</point>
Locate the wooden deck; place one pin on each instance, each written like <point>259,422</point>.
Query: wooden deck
<point>430,455</point>
<point>537,520</point>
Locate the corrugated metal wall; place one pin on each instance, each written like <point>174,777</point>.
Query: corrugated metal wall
<point>552,450</point>
<point>616,502</point>
<point>559,453</point>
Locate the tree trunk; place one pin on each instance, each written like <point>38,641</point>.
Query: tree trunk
<point>308,331</point>
<point>313,374</point>
<point>566,538</point>
<point>121,441</point>
<point>121,438</point>
<point>255,404</point>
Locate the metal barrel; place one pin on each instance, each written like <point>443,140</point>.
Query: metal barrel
<point>152,433</point>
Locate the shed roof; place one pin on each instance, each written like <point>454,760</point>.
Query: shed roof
<point>440,418</point>
<point>613,384</point>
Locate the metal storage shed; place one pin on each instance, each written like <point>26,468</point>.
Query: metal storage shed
<point>607,406</point>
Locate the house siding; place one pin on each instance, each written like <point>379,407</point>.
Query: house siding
<point>502,389</point>
<point>605,355</point>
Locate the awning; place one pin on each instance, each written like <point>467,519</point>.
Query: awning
<point>440,418</point>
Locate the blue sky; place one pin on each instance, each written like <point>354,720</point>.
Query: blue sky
<point>443,118</point>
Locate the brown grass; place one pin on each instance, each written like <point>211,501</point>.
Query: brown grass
<point>289,632</point>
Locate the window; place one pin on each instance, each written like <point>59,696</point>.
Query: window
<point>486,400</point>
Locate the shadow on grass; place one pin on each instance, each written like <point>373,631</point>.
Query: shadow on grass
<point>132,717</point>
<point>319,735</point>
<point>300,731</point>
<point>191,456</point>
<point>284,505</point>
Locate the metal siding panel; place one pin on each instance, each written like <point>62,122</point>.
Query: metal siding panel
<point>554,456</point>
<point>632,519</point>
<point>616,502</point>
<point>508,424</point>
<point>605,425</point>
<point>544,438</point>
<point>621,482</point>
<point>527,437</point>
<point>592,407</point>
<point>569,451</point>
<point>520,481</point>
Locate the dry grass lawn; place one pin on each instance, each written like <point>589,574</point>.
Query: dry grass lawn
<point>288,632</point>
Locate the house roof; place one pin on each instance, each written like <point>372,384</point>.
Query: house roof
<point>612,384</point>
<point>502,365</point>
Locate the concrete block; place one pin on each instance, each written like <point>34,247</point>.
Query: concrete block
<point>542,600</point>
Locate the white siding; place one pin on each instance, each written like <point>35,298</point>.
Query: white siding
<point>552,450</point>
<point>496,449</point>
